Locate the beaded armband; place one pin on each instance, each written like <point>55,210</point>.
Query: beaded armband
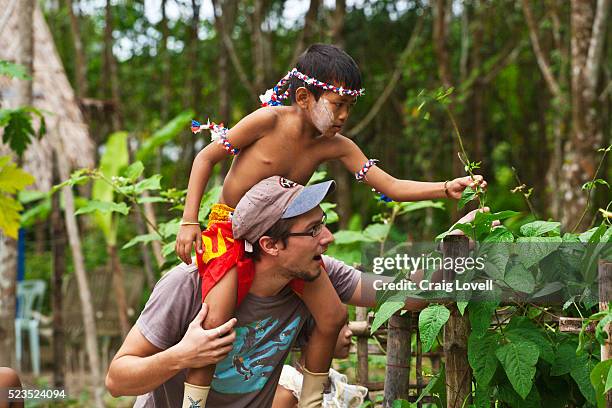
<point>361,174</point>
<point>218,133</point>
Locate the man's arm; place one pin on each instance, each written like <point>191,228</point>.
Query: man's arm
<point>365,290</point>
<point>140,367</point>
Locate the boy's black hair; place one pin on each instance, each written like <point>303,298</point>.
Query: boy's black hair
<point>329,64</point>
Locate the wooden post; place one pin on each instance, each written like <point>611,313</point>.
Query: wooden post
<point>419,364</point>
<point>398,359</point>
<point>605,295</point>
<point>362,348</point>
<point>456,332</point>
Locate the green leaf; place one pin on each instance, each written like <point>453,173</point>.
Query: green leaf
<point>114,158</point>
<point>467,195</point>
<point>164,135</point>
<point>497,256</point>
<point>344,237</point>
<point>532,250</point>
<point>481,355</point>
<point>384,313</point>
<point>539,228</point>
<point>482,397</point>
<point>332,216</point>
<point>13,70</point>
<point>18,131</point>
<point>461,305</point>
<point>377,232</point>
<point>142,200</point>
<point>518,360</point>
<point>12,178</point>
<point>430,385</point>
<point>519,278</point>
<point>480,314</point>
<point>142,239</point>
<point>134,171</point>
<point>521,328</point>
<point>317,177</point>
<point>407,207</point>
<point>151,183</point>
<point>581,373</point>
<point>431,320</point>
<point>400,403</point>
<point>599,379</point>
<point>103,207</point>
<point>499,234</point>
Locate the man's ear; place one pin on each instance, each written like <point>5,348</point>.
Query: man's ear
<point>302,95</point>
<point>268,245</point>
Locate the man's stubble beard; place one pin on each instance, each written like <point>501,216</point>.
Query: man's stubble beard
<point>304,275</point>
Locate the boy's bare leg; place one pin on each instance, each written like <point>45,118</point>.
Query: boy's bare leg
<point>330,315</point>
<point>221,301</point>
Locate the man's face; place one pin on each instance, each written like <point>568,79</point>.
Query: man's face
<point>330,112</point>
<point>301,257</point>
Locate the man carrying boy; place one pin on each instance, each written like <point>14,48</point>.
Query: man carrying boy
<point>285,225</point>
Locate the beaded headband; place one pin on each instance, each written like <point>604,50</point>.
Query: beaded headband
<point>273,97</point>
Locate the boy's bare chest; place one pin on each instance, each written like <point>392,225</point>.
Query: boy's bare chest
<point>294,161</point>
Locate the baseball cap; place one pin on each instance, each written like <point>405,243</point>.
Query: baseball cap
<point>272,199</point>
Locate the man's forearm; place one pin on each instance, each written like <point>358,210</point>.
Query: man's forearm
<point>134,375</point>
<point>366,289</point>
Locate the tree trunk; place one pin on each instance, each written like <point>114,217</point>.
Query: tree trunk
<point>89,323</point>
<point>308,30</point>
<point>165,60</point>
<point>257,44</point>
<point>58,245</point>
<point>119,287</point>
<point>8,279</point>
<point>337,31</point>
<point>110,69</point>
<point>195,82</point>
<point>8,246</point>
<point>80,88</point>
<point>588,27</point>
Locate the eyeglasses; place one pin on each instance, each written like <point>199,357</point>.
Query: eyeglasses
<point>312,232</point>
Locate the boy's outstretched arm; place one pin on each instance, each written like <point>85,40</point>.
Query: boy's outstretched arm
<point>246,132</point>
<point>401,190</point>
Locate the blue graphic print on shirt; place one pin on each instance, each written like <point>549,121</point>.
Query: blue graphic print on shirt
<point>248,366</point>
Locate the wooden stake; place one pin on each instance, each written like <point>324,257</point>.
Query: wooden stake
<point>605,295</point>
<point>456,332</point>
<point>398,359</point>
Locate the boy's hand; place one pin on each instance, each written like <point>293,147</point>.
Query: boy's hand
<point>186,236</point>
<point>455,187</point>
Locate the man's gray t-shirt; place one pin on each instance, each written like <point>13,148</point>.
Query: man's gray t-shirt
<point>266,330</point>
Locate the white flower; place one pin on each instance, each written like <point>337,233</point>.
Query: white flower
<point>267,97</point>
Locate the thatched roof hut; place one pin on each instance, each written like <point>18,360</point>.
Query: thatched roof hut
<point>52,94</point>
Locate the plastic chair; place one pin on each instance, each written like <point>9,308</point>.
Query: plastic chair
<point>30,294</point>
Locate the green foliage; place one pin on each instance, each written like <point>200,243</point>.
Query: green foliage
<point>18,129</point>
<point>431,321</point>
<point>518,360</point>
<point>12,180</point>
<point>13,70</point>
<point>164,135</point>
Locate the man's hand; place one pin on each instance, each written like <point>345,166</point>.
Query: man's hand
<point>187,235</point>
<point>455,187</point>
<point>199,347</point>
